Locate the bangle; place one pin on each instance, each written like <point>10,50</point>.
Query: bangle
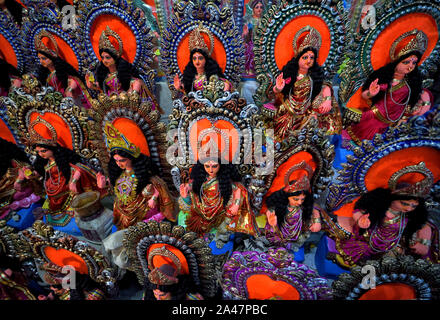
<point>19,180</point>
<point>154,198</point>
<point>74,180</point>
<point>426,242</point>
<point>237,202</point>
<point>368,93</point>
<point>316,220</point>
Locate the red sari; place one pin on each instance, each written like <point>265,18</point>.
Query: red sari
<point>58,193</point>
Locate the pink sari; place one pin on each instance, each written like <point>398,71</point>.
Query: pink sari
<point>386,112</point>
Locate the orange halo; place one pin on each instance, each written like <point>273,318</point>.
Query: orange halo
<point>133,133</point>
<point>390,291</point>
<point>121,28</point>
<point>381,171</point>
<point>357,102</point>
<point>219,53</point>
<point>380,52</point>
<point>5,132</point>
<point>227,127</point>
<point>284,41</point>
<point>62,128</point>
<point>262,287</point>
<point>62,257</point>
<point>8,52</point>
<point>278,181</point>
<point>160,260</point>
<point>65,52</point>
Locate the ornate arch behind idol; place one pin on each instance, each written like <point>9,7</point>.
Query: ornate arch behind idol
<point>214,105</point>
<point>32,100</point>
<point>420,133</point>
<point>277,22</point>
<point>423,15</point>
<point>90,13</point>
<point>141,116</point>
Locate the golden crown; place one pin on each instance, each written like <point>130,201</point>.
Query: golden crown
<point>419,189</point>
<point>196,40</point>
<point>312,39</point>
<point>105,43</point>
<point>115,140</point>
<point>300,184</point>
<point>40,46</point>
<point>161,275</point>
<point>36,138</point>
<point>418,43</point>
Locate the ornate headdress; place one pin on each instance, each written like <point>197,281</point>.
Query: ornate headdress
<point>50,48</point>
<point>36,138</point>
<point>115,140</point>
<point>167,273</point>
<point>212,149</point>
<point>106,43</point>
<point>407,186</point>
<point>196,40</point>
<point>418,42</point>
<point>311,39</point>
<point>297,178</point>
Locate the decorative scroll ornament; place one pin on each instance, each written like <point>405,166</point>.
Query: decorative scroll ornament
<point>36,138</point>
<point>418,43</point>
<point>311,40</point>
<point>50,49</point>
<point>105,43</point>
<point>418,189</point>
<point>165,274</point>
<point>115,140</point>
<point>302,181</point>
<point>196,40</point>
<point>421,275</point>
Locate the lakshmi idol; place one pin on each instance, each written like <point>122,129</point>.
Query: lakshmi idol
<point>56,72</point>
<point>201,65</point>
<point>251,23</point>
<point>215,202</point>
<point>140,195</point>
<point>168,281</point>
<point>301,91</point>
<point>114,74</point>
<point>394,92</point>
<point>290,214</point>
<point>390,220</point>
<point>62,173</point>
<point>12,179</point>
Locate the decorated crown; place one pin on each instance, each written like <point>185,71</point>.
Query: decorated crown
<point>36,138</point>
<point>297,178</point>
<point>418,42</point>
<point>106,43</point>
<point>167,273</point>
<point>196,40</point>
<point>115,140</point>
<point>406,186</point>
<point>50,48</point>
<point>311,39</point>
